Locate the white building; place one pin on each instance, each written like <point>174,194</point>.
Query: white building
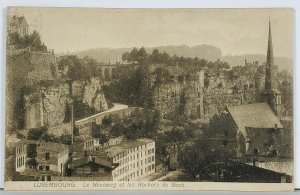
<point>25,151</point>
<point>136,159</point>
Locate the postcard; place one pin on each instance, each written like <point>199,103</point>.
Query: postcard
<point>149,99</point>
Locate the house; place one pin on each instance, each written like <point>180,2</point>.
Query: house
<point>52,157</point>
<point>18,24</point>
<point>94,167</point>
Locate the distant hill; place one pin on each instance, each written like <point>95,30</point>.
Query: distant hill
<point>207,52</point>
<point>281,62</point>
<point>112,55</point>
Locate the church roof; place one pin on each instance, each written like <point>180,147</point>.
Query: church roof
<point>257,115</point>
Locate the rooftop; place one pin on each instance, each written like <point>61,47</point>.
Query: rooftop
<point>51,146</point>
<point>127,145</point>
<point>257,115</point>
<point>88,159</point>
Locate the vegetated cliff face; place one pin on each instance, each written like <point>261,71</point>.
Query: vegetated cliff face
<point>94,97</point>
<point>54,105</point>
<point>181,97</point>
<point>111,55</point>
<point>25,68</point>
<point>45,67</point>
<point>46,107</point>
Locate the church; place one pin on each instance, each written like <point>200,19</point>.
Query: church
<point>263,139</point>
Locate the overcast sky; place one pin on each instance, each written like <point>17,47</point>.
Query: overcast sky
<point>234,31</point>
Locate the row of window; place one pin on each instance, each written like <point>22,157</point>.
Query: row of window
<point>132,157</point>
<point>132,175</point>
<point>20,150</point>
<point>20,161</point>
<point>89,144</point>
<point>47,168</point>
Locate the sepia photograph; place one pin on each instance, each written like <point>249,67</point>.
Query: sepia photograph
<point>169,97</point>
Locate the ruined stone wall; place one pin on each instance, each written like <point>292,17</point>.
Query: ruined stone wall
<point>54,104</point>
<point>181,98</point>
<point>167,98</point>
<point>217,100</point>
<point>46,107</point>
<point>45,67</point>
<point>33,117</point>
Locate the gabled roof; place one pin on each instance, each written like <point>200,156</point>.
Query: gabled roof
<point>88,159</point>
<point>51,146</point>
<point>127,145</point>
<point>257,115</point>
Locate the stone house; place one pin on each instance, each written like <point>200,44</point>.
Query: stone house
<point>52,157</point>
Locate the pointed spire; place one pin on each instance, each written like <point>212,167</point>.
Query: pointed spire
<point>270,69</point>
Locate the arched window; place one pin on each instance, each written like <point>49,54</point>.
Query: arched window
<point>274,153</point>
<point>255,151</point>
<point>106,73</point>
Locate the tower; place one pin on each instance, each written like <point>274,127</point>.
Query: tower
<point>271,95</point>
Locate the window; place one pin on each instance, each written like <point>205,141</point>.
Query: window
<point>40,167</point>
<point>47,168</point>
<point>274,153</point>
<point>47,156</point>
<point>255,151</point>
<point>48,178</point>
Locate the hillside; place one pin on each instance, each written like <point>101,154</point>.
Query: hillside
<point>115,54</point>
<point>281,62</point>
<point>208,52</point>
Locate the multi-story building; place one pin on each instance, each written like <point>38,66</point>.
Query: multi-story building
<point>52,157</point>
<point>25,155</point>
<point>136,159</point>
<point>18,24</point>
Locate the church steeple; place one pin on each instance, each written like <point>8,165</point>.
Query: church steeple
<point>271,95</point>
<point>270,67</point>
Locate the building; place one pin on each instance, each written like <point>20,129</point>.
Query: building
<point>25,155</point>
<point>52,157</point>
<point>262,139</point>
<point>96,166</point>
<point>129,160</point>
<point>136,159</point>
<point>18,24</point>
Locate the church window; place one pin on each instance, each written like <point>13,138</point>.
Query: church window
<point>274,153</point>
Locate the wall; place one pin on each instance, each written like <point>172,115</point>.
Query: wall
<point>84,125</point>
<point>217,100</point>
<point>45,67</point>
<point>181,97</point>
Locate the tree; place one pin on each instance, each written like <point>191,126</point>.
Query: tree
<point>36,134</point>
<point>162,76</point>
<point>65,139</point>
<point>106,121</point>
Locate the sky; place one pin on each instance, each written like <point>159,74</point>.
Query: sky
<point>234,31</point>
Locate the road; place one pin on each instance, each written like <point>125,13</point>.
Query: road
<point>116,107</point>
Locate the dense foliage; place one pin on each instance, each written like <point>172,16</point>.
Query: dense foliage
<point>32,41</point>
